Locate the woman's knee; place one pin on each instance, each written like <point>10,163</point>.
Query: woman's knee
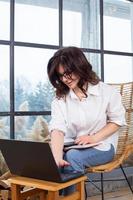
<point>75,159</point>
<point>72,155</point>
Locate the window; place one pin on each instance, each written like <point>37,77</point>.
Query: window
<point>31,31</point>
<point>118,37</point>
<point>5,20</point>
<point>31,81</point>
<point>81,23</point>
<point>4,79</point>
<point>37,21</point>
<point>118,69</point>
<point>118,23</point>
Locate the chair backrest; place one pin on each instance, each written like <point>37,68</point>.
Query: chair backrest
<point>125,132</point>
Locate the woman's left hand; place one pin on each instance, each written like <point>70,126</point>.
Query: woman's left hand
<point>86,139</point>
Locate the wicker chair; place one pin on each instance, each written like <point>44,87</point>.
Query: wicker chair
<point>125,142</point>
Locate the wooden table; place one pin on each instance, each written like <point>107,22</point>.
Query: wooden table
<point>46,190</point>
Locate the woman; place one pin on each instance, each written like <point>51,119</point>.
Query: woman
<point>85,110</point>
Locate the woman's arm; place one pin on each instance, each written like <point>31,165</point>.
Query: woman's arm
<point>102,134</point>
<point>116,118</point>
<point>57,144</point>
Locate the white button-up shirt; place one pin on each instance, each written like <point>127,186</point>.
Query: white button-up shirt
<point>76,117</point>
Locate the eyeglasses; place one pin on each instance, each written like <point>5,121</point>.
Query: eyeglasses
<point>66,74</point>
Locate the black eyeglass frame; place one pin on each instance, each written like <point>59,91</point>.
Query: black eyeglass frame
<point>67,74</point>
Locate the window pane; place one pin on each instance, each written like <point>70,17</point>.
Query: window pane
<point>4,78</point>
<point>4,127</point>
<point>118,23</point>
<point>33,128</point>
<point>33,92</point>
<point>81,23</point>
<point>4,134</point>
<point>37,21</point>
<point>94,59</point>
<point>4,19</point>
<point>118,69</point>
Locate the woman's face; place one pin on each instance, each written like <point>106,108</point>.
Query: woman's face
<point>68,78</point>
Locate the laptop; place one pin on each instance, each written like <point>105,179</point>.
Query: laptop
<point>33,160</point>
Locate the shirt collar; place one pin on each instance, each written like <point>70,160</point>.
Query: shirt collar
<point>92,90</point>
<point>72,94</point>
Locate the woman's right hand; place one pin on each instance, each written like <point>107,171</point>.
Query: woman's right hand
<point>63,163</point>
<point>57,143</point>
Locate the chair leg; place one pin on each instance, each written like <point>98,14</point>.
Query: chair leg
<point>126,178</point>
<point>85,191</point>
<point>102,187</point>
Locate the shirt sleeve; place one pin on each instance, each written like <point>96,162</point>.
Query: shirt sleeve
<point>57,118</point>
<point>115,109</point>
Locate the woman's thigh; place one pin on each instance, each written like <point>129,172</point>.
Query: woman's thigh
<point>80,159</point>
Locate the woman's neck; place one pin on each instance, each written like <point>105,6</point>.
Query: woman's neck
<point>79,93</point>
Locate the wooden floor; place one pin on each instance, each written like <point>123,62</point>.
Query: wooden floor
<point>123,194</point>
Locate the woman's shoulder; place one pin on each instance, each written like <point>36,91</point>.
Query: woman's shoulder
<point>107,88</point>
<point>106,85</point>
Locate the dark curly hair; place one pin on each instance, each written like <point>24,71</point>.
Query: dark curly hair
<point>73,60</point>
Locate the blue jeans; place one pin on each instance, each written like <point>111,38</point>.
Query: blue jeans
<point>84,158</point>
